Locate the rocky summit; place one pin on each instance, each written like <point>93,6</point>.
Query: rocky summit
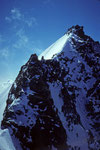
<point>54,103</point>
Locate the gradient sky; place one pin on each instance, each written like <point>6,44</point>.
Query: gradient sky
<point>30,26</point>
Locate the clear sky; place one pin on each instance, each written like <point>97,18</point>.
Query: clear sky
<point>30,26</point>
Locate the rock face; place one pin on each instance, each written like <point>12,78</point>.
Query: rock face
<point>54,104</point>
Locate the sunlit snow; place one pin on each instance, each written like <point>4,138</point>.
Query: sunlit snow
<point>5,139</point>
<point>55,48</point>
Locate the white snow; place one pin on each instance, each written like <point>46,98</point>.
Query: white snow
<point>55,48</point>
<point>15,85</point>
<point>5,139</point>
<point>3,98</point>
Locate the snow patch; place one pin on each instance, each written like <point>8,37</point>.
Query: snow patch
<point>5,140</point>
<point>3,98</point>
<point>55,48</point>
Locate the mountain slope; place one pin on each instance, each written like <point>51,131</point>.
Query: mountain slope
<point>3,98</point>
<point>5,139</point>
<point>54,103</point>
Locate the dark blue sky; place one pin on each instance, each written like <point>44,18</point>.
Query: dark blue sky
<point>30,26</point>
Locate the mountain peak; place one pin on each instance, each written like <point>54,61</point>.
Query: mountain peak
<point>64,41</point>
<point>78,30</point>
<point>71,40</point>
<point>54,103</point>
<point>75,28</point>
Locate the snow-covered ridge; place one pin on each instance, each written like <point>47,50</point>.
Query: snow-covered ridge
<point>75,32</point>
<point>55,48</point>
